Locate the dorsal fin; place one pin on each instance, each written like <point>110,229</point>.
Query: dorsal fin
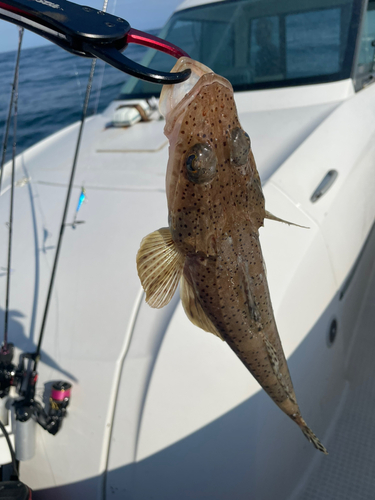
<point>159,266</point>
<point>194,310</point>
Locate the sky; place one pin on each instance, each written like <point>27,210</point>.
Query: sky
<point>141,14</point>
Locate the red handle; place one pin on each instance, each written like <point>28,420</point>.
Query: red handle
<point>141,38</point>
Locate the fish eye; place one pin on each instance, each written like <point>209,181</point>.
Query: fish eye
<point>200,164</point>
<point>241,145</point>
<point>191,163</point>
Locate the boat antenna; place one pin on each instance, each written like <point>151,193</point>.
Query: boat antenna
<point>14,102</point>
<point>36,356</point>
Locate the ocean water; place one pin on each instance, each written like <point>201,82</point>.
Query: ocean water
<point>52,86</point>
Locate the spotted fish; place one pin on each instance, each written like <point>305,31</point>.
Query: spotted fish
<point>211,247</point>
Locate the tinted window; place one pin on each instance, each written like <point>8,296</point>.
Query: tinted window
<point>263,43</point>
<point>265,49</point>
<point>313,44</point>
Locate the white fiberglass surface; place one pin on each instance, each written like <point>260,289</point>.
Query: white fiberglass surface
<point>348,472</point>
<point>278,121</point>
<point>92,306</point>
<point>343,142</point>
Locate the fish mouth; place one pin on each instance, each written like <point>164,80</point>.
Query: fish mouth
<point>175,98</point>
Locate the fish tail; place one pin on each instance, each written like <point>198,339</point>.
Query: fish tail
<point>310,436</point>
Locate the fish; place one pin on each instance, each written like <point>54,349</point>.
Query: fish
<point>211,246</point>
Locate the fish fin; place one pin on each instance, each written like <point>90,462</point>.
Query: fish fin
<point>275,363</point>
<point>310,436</point>
<point>159,266</point>
<point>273,217</point>
<point>194,310</point>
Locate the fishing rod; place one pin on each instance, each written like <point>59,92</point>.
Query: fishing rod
<point>7,126</point>
<point>6,351</point>
<point>27,411</point>
<point>14,101</point>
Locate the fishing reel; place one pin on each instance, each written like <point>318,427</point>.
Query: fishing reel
<point>28,411</point>
<point>58,403</point>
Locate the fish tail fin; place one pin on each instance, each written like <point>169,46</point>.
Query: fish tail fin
<point>310,436</point>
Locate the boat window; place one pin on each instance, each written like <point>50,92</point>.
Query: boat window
<point>265,49</point>
<point>262,43</point>
<point>313,43</point>
<point>365,73</point>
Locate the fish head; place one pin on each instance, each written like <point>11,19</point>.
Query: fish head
<point>210,161</point>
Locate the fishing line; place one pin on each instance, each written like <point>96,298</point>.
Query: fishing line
<point>103,65</point>
<point>95,106</point>
<point>36,356</point>
<point>7,126</point>
<point>4,348</point>
<point>100,79</point>
<point>63,222</point>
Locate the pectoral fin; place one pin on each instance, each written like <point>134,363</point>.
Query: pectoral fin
<point>159,266</point>
<point>194,310</point>
<point>273,217</point>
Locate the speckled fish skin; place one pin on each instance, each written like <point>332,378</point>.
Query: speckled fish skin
<point>214,223</point>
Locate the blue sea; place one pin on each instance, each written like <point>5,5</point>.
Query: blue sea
<point>52,86</point>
